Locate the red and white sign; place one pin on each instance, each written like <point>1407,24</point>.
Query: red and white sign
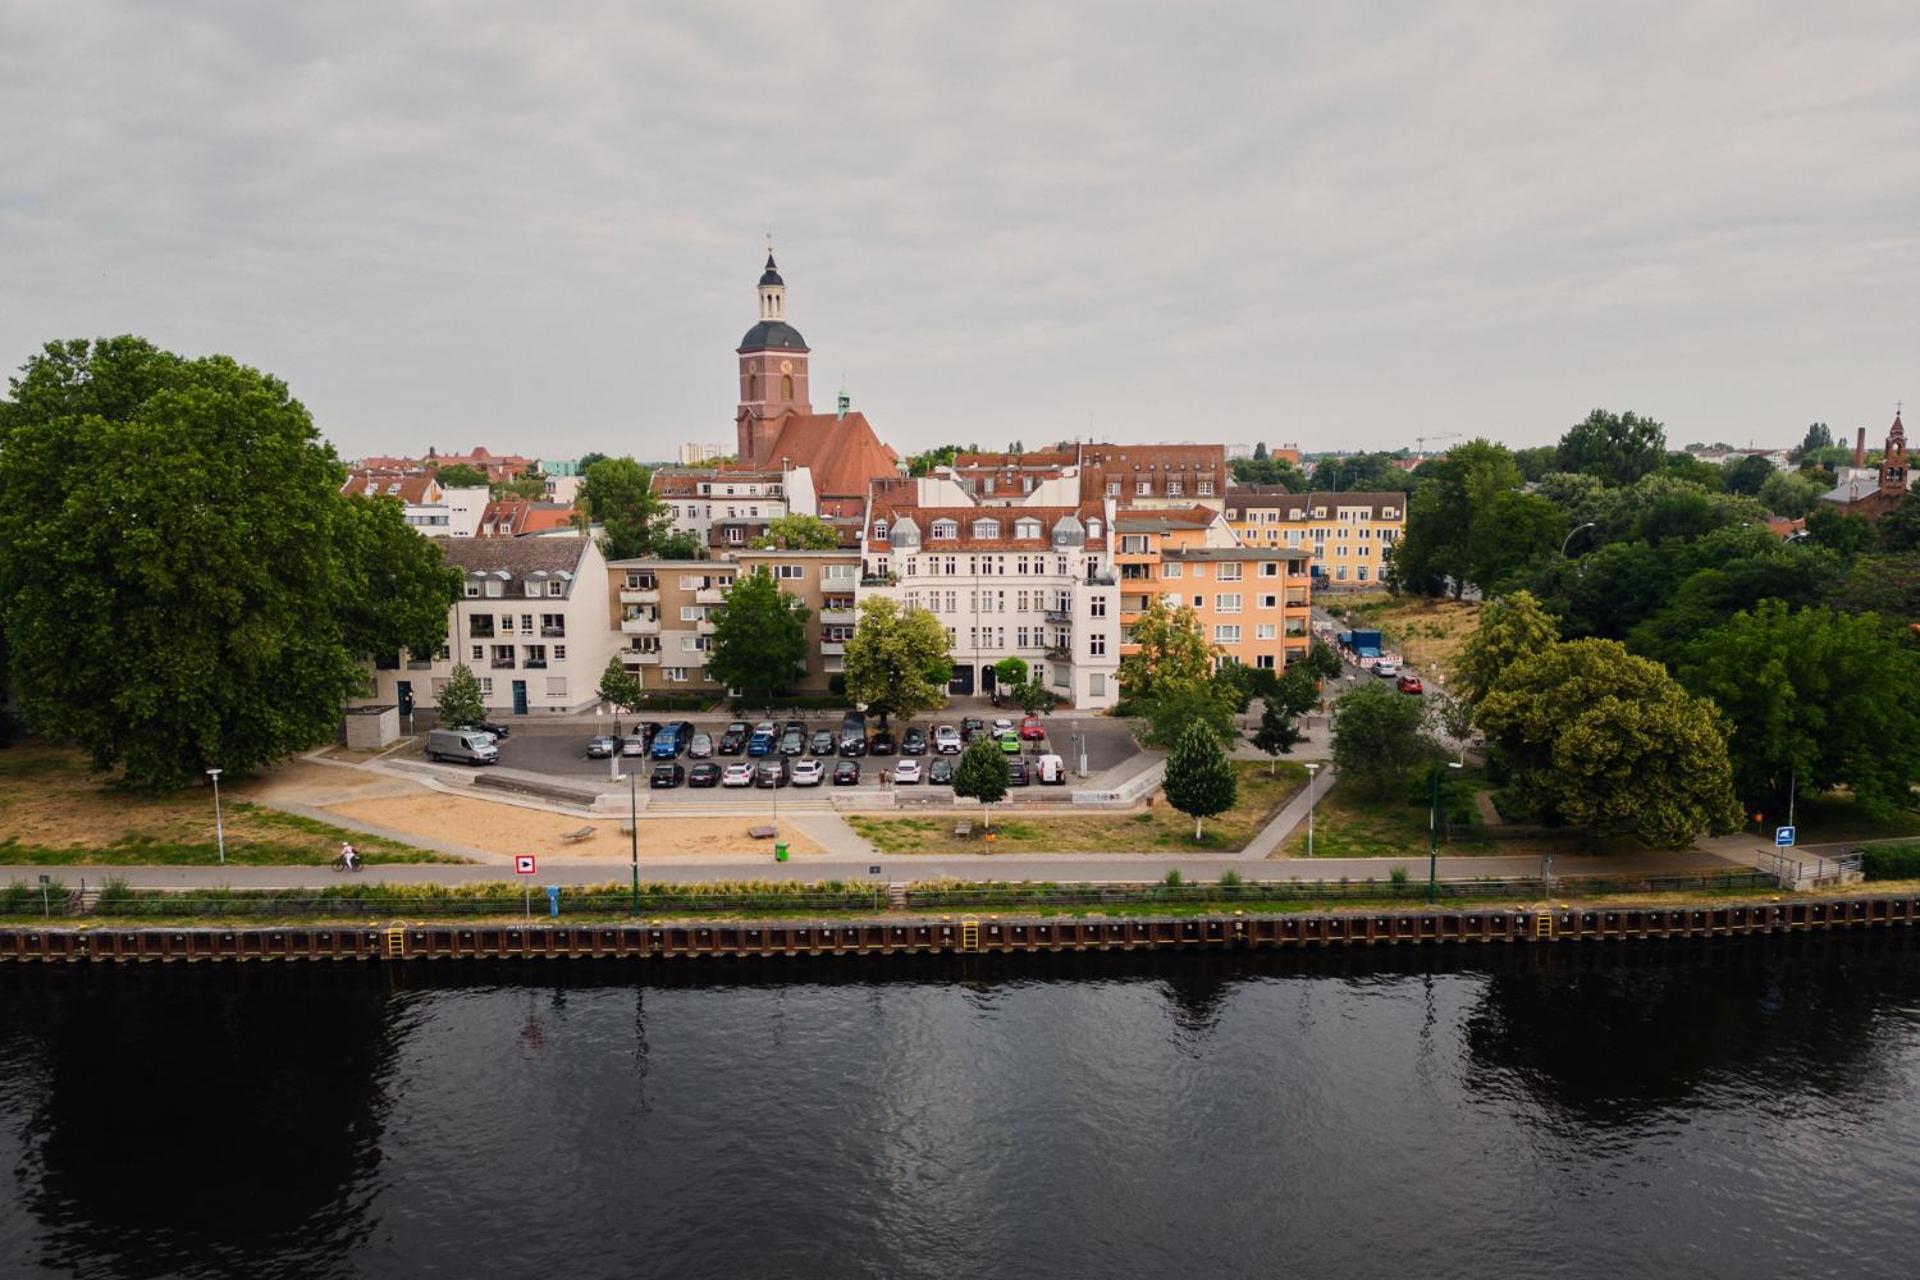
<point>523,864</point>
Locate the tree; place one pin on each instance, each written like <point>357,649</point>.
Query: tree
<point>1296,692</point>
<point>1378,735</point>
<point>1599,738</point>
<point>1260,451</point>
<point>461,476</point>
<point>1618,448</point>
<point>1692,470</point>
<point>1887,585</point>
<point>1453,716</point>
<point>1749,474</point>
<point>1200,781</point>
<point>1323,661</point>
<point>897,660</point>
<point>1819,436</point>
<point>619,687</point>
<point>678,545</point>
<point>1790,494</point>
<point>1516,532</point>
<point>1034,698</point>
<point>1818,699</point>
<point>459,700</point>
<point>529,486</point>
<point>1509,629</point>
<point>1362,472</point>
<point>1537,463</point>
<point>1459,500</point>
<point>1268,470</point>
<point>759,635</point>
<point>1170,677</point>
<point>921,464</point>
<point>617,495</point>
<point>182,585</point>
<point>587,460</point>
<point>1010,673</point>
<point>1899,529</point>
<point>798,533</point>
<point>1840,531</point>
<point>982,774</point>
<point>1796,572</point>
<point>1277,734</point>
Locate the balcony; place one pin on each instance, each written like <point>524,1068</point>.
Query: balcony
<point>704,626</point>
<point>1059,653</point>
<point>1060,617</point>
<point>833,648</point>
<point>556,633</point>
<point>880,580</point>
<point>1136,573</point>
<point>1296,599</point>
<point>639,595</point>
<point>833,666</point>
<point>502,664</point>
<point>1100,580</point>
<point>844,617</point>
<point>477,632</point>
<point>640,626</point>
<point>710,595</point>
<point>535,664</point>
<point>649,657</point>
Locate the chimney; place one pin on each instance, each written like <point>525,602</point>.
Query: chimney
<point>1860,449</point>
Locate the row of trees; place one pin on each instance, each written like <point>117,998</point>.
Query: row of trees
<point>182,584</point>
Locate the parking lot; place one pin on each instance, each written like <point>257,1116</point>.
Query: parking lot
<point>561,750</point>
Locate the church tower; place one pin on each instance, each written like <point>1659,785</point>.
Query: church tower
<point>773,371</point>
<point>1893,466</point>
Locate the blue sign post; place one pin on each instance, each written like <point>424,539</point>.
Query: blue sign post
<point>553,901</point>
<point>1783,837</point>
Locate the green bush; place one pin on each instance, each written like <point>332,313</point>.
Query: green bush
<point>1891,861</point>
<point>1399,877</point>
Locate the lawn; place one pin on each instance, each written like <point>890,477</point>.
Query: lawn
<point>1426,633</point>
<point>1348,823</point>
<point>1158,829</point>
<point>53,811</point>
<point>1820,819</point>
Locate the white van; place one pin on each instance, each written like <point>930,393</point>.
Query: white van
<point>1052,770</point>
<point>470,746</point>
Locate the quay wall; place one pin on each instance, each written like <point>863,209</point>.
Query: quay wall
<point>401,942</point>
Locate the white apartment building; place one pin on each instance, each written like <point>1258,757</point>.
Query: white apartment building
<point>534,621</point>
<point>726,508</point>
<point>1036,583</point>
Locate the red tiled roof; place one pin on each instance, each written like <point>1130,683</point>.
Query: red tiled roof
<point>964,517</point>
<point>414,489</point>
<point>844,454</point>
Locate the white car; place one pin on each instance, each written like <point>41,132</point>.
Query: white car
<point>737,774</point>
<point>906,773</point>
<point>1386,667</point>
<point>808,773</point>
<point>1002,725</point>
<point>946,740</point>
<point>635,744</point>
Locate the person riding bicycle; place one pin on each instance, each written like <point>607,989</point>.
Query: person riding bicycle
<point>349,856</point>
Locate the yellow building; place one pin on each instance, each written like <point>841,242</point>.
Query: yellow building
<point>1252,600</point>
<point>1346,535</point>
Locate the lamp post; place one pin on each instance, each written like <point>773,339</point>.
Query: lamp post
<point>1569,538</point>
<point>1433,834</point>
<point>219,825</point>
<point>1313,772</point>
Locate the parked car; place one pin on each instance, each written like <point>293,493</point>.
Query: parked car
<point>793,742</point>
<point>1385,667</point>
<point>906,773</point>
<point>704,774</point>
<point>701,748</point>
<point>469,746</point>
<point>734,740</point>
<point>796,726</point>
<point>846,773</point>
<point>1410,683</point>
<point>946,740</point>
<point>808,773</point>
<point>940,772</point>
<point>648,729</point>
<point>854,722</point>
<point>823,743</point>
<point>1017,774</point>
<point>1052,770</point>
<point>771,772</point>
<point>913,742</point>
<point>760,744</point>
<point>1010,742</point>
<point>1032,730</point>
<point>493,727</point>
<point>971,727</point>
<point>882,743</point>
<point>853,742</point>
<point>667,775</point>
<point>737,774</point>
<point>635,745</point>
<point>1002,725</point>
<point>672,740</point>
<point>604,747</point>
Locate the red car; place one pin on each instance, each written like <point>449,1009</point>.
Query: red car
<point>1411,684</point>
<point>1032,730</point>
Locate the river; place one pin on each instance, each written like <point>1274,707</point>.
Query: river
<point>1746,1108</point>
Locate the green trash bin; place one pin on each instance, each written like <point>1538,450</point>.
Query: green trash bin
<point>780,851</point>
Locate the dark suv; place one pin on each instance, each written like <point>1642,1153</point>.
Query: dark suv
<point>823,743</point>
<point>913,742</point>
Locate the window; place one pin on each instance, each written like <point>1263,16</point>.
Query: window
<point>786,386</point>
<point>1228,603</point>
<point>1097,644</point>
<point>1271,568</point>
<point>473,591</point>
<point>1205,488</point>
<point>479,652</point>
<point>486,686</point>
<point>836,573</point>
<point>1265,661</point>
<point>790,572</point>
<point>1269,602</point>
<point>1230,572</point>
<point>986,528</point>
<point>1093,528</point>
<point>526,623</point>
<point>880,530</point>
<point>1113,488</point>
<point>556,686</point>
<point>556,589</point>
<point>1199,602</point>
<point>1143,489</point>
<point>1226,635</point>
<point>495,588</point>
<point>1097,607</point>
<point>1172,569</point>
<point>676,674</point>
<point>1026,528</point>
<point>559,653</point>
<point>1363,573</point>
<point>1174,488</point>
<point>944,529</point>
<point>1134,544</point>
<point>1266,631</point>
<point>1097,685</point>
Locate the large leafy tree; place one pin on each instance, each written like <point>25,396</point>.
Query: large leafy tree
<point>1840,531</point>
<point>1900,528</point>
<point>1264,469</point>
<point>759,635</point>
<point>1887,585</point>
<point>1790,494</point>
<point>1618,448</point>
<point>1509,629</point>
<point>1748,475</point>
<point>1170,678</point>
<point>617,494</point>
<point>619,687</point>
<point>1819,436</point>
<point>1378,735</point>
<point>897,661</point>
<point>1817,699</point>
<point>1599,738</point>
<point>1461,497</point>
<point>1798,573</point>
<point>982,774</point>
<point>461,476</point>
<point>798,532</point>
<point>183,585</point>
<point>1517,531</point>
<point>1362,472</point>
<point>1200,781</point>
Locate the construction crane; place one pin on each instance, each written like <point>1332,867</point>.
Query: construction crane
<point>1420,444</point>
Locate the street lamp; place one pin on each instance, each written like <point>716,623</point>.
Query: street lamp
<point>219,825</point>
<point>1433,833</point>
<point>1313,771</point>
<point>1569,538</point>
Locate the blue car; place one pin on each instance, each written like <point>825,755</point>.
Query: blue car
<point>666,744</point>
<point>760,744</point>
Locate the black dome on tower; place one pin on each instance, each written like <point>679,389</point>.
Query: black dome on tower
<point>772,273</point>
<point>775,334</point>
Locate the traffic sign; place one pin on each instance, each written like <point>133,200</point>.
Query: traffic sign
<point>1783,837</point>
<point>523,864</point>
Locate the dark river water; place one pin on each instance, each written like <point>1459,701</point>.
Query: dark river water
<point>1741,1109</point>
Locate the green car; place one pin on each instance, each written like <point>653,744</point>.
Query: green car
<point>1010,743</point>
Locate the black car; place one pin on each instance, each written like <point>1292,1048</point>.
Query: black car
<point>493,727</point>
<point>1017,774</point>
<point>823,743</point>
<point>734,740</point>
<point>846,773</point>
<point>704,774</point>
<point>795,726</point>
<point>882,744</point>
<point>793,742</point>
<point>772,772</point>
<point>853,742</point>
<point>600,748</point>
<point>913,742</point>
<point>667,775</point>
<point>940,772</point>
<point>647,729</point>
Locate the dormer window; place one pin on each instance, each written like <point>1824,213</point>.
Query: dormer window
<point>986,528</point>
<point>879,530</point>
<point>1026,529</point>
<point>944,529</point>
<point>1093,528</point>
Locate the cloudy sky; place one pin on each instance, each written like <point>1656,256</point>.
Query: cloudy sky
<point>538,227</point>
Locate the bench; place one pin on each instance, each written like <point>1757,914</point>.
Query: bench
<point>963,829</point>
<point>575,837</point>
<point>761,833</point>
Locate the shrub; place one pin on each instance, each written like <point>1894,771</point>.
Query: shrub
<point>1398,876</point>
<point>1173,879</point>
<point>1891,862</point>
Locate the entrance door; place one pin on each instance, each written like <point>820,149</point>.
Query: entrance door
<point>988,678</point>
<point>962,682</point>
<point>519,697</point>
<point>403,694</point>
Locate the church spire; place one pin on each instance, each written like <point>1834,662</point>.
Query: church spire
<point>773,291</point>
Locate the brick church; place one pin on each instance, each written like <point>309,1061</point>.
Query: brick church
<point>1855,499</point>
